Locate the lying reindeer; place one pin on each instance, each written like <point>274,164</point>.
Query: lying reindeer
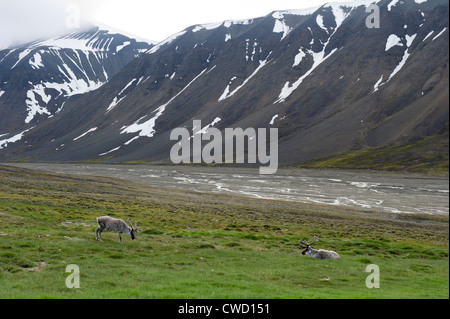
<point>319,254</point>
<point>112,224</point>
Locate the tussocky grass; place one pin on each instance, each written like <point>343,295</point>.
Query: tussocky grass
<point>204,245</point>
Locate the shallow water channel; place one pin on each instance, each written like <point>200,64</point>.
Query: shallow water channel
<point>379,191</point>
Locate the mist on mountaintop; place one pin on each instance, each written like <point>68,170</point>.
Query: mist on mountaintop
<point>23,21</point>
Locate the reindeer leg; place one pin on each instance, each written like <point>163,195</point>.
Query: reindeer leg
<point>120,237</point>
<point>99,233</point>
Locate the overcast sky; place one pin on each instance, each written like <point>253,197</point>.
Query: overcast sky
<point>23,21</point>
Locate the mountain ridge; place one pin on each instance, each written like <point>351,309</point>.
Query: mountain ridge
<point>324,79</point>
<point>47,72</point>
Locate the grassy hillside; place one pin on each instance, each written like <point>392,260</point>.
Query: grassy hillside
<point>205,246</point>
<point>429,155</point>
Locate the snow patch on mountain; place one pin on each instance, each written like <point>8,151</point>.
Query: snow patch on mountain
<point>319,21</point>
<point>33,105</point>
<point>205,129</point>
<point>36,61</point>
<point>392,4</point>
<point>299,12</point>
<point>147,128</point>
<point>166,42</point>
<point>228,23</point>
<point>114,103</point>
<point>280,25</point>
<point>209,26</point>
<point>4,143</point>
<point>37,95</point>
<point>340,15</point>
<point>318,58</point>
<point>342,11</point>
<point>74,78</point>
<point>74,86</point>
<point>299,57</point>
<point>409,41</point>
<point>120,47</point>
<point>406,54</point>
<point>440,33</point>
<point>226,94</point>
<point>272,122</point>
<point>86,133</point>
<point>119,98</point>
<point>111,151</point>
<point>80,41</point>
<point>377,85</point>
<point>22,55</point>
<point>428,35</point>
<point>392,41</point>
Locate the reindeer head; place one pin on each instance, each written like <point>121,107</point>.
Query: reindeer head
<point>134,230</point>
<point>307,247</point>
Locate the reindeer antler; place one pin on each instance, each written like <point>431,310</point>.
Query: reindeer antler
<point>304,242</point>
<point>129,222</point>
<point>136,229</point>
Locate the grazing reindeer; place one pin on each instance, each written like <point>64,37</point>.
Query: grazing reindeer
<point>112,224</point>
<point>319,254</point>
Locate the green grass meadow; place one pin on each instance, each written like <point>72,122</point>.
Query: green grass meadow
<point>205,246</point>
<point>429,155</point>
